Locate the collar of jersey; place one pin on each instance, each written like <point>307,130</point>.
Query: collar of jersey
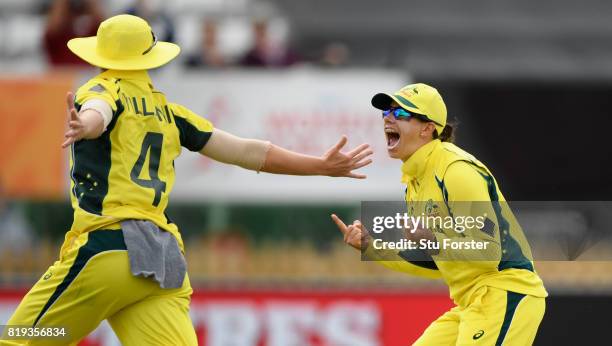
<point>140,75</point>
<point>414,167</point>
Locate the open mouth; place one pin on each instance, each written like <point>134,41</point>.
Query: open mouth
<point>393,138</point>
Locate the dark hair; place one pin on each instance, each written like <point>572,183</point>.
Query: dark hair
<point>447,134</point>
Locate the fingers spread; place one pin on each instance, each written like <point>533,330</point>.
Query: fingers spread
<point>67,142</point>
<point>74,115</point>
<point>362,164</point>
<point>358,149</point>
<point>341,143</point>
<point>73,121</point>
<point>70,104</point>
<point>356,176</point>
<point>75,124</point>
<point>362,155</point>
<point>70,100</point>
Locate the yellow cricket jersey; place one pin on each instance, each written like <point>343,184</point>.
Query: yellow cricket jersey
<point>128,172</point>
<point>443,180</point>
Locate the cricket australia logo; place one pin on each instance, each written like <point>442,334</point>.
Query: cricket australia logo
<point>409,92</point>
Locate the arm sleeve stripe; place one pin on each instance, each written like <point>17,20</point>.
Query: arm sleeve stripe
<point>190,137</point>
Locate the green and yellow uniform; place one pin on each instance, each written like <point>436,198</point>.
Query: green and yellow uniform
<point>499,296</point>
<point>126,173</point>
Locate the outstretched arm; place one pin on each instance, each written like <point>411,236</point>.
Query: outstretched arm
<point>263,156</point>
<point>332,163</point>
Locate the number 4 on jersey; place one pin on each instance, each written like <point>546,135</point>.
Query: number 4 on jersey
<point>152,144</point>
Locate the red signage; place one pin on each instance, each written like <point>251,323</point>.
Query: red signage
<point>298,317</point>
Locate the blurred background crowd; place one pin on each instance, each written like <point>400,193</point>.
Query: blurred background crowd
<point>445,39</point>
<point>529,83</point>
<point>214,34</point>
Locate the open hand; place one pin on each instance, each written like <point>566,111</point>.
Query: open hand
<point>355,235</point>
<point>76,128</point>
<point>338,164</point>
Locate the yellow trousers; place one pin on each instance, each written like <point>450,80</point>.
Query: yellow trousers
<point>92,282</point>
<point>493,317</point>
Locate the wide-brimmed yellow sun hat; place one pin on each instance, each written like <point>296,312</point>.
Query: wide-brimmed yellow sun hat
<point>124,42</point>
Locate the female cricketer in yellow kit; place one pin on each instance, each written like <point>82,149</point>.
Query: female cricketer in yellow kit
<point>124,136</point>
<point>498,295</point>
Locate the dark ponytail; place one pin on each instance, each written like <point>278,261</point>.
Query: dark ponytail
<point>447,134</point>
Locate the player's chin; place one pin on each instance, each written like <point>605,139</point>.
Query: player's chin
<point>393,155</point>
<point>394,152</point>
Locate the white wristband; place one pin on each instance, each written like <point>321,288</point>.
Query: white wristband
<point>100,106</point>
